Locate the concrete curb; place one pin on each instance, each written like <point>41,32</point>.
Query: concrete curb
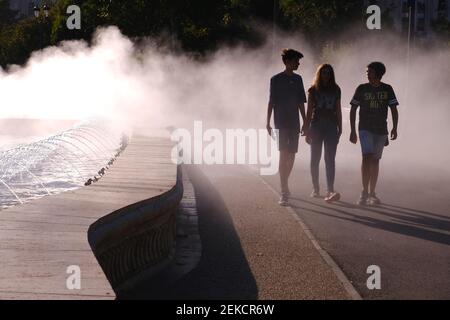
<point>137,241</point>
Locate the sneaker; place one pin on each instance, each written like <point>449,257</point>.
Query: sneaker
<point>283,201</point>
<point>315,194</point>
<point>374,200</point>
<point>362,201</point>
<point>332,196</point>
<point>287,194</point>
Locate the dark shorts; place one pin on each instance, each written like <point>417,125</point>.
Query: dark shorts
<point>288,140</point>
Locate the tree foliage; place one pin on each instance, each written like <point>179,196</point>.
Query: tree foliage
<point>321,18</point>
<point>7,16</point>
<point>199,26</point>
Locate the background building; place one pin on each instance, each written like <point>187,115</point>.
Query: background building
<point>25,7</point>
<point>423,13</point>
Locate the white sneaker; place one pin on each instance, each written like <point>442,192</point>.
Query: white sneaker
<point>315,194</point>
<point>362,201</point>
<point>333,196</point>
<point>286,193</point>
<point>283,201</point>
<point>374,200</point>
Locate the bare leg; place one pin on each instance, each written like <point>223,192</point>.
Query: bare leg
<point>290,163</point>
<point>374,169</point>
<point>365,171</point>
<point>286,164</point>
<point>283,169</point>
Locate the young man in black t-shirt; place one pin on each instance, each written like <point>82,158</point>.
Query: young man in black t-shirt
<point>374,99</point>
<point>287,97</point>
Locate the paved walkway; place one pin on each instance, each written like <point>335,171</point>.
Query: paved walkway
<point>252,247</point>
<point>408,236</point>
<point>41,239</point>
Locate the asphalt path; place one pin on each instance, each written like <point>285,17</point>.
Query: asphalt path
<point>252,248</point>
<point>408,236</point>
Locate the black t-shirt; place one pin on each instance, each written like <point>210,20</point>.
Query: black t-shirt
<point>286,94</point>
<point>324,103</point>
<point>374,103</point>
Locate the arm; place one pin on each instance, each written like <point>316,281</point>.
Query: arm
<point>339,115</point>
<point>270,106</point>
<point>354,103</point>
<point>353,136</point>
<point>269,115</point>
<point>301,106</point>
<point>309,112</point>
<point>394,113</point>
<point>302,112</point>
<point>307,122</point>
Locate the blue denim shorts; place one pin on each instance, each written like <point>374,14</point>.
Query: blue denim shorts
<point>372,143</point>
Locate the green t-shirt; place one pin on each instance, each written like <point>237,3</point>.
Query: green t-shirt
<point>374,103</point>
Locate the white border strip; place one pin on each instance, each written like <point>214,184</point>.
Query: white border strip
<point>328,259</point>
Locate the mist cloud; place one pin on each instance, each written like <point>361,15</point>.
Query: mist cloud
<point>149,88</point>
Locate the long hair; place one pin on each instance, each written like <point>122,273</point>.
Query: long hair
<point>317,82</point>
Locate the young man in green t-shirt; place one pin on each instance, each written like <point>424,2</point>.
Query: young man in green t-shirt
<point>374,98</point>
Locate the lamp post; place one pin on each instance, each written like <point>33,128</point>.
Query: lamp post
<point>45,9</point>
<point>38,13</point>
<point>411,23</point>
<point>274,22</point>
<point>411,5</point>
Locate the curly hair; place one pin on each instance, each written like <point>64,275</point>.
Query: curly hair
<point>378,67</point>
<point>289,54</point>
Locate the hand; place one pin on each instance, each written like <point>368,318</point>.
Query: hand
<point>353,137</point>
<point>304,130</point>
<point>308,139</point>
<point>269,129</point>
<point>393,134</point>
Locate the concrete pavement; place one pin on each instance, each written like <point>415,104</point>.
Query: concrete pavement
<point>39,240</point>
